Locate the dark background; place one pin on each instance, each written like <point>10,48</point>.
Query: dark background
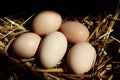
<point>65,7</point>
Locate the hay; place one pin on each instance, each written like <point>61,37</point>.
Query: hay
<point>100,37</point>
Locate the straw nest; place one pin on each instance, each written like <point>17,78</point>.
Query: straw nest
<point>101,30</point>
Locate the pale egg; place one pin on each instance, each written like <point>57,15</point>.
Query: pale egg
<point>74,31</point>
<point>26,45</point>
<point>81,57</point>
<point>52,49</point>
<point>46,22</point>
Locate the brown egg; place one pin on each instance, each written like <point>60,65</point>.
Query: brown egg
<point>81,58</point>
<point>74,31</point>
<point>46,22</point>
<point>25,45</point>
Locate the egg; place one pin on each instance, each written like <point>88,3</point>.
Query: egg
<point>52,49</point>
<point>81,58</point>
<point>46,22</point>
<point>26,44</point>
<point>74,31</point>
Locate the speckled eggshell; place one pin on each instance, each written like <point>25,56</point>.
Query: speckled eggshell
<point>81,58</point>
<point>52,49</point>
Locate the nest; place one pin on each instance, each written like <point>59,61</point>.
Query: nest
<point>106,45</point>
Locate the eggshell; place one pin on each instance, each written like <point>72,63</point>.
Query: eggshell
<point>46,22</point>
<point>52,49</point>
<point>81,57</point>
<point>74,31</point>
<point>25,45</point>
